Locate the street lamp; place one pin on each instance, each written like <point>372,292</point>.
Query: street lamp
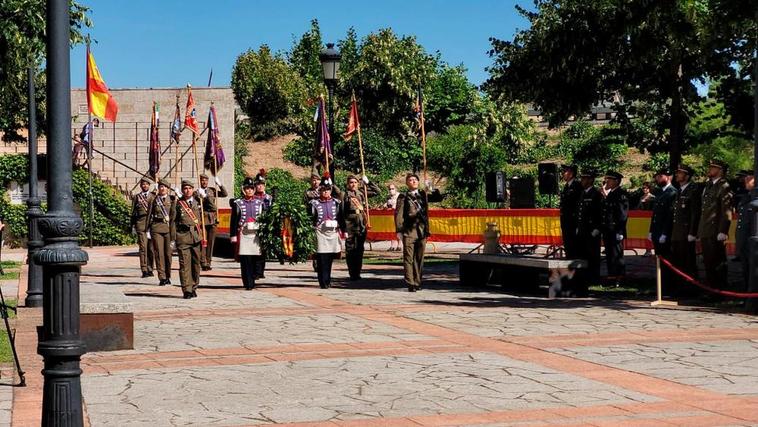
<point>330,62</point>
<point>33,212</point>
<point>61,258</point>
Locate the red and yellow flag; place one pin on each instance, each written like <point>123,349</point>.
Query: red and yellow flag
<point>353,123</point>
<point>190,114</point>
<point>99,100</point>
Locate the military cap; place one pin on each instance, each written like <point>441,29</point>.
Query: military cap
<point>744,172</point>
<point>715,163</point>
<point>351,176</point>
<point>326,182</point>
<point>260,178</point>
<point>187,183</point>
<point>164,183</point>
<point>588,173</point>
<point>248,182</point>
<point>615,175</point>
<point>663,171</point>
<point>202,175</point>
<point>315,176</point>
<point>686,169</point>
<point>571,168</point>
<point>412,174</point>
<point>145,179</point>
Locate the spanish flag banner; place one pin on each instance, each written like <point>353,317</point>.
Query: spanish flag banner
<point>99,99</point>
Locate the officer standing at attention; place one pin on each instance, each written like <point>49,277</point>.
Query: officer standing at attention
<point>615,209</point>
<point>570,194</point>
<point>189,235</point>
<point>210,209</point>
<point>588,227</point>
<point>328,221</point>
<point>715,219</point>
<point>662,219</point>
<point>744,225</point>
<point>161,219</point>
<point>139,219</point>
<point>686,217</point>
<point>355,205</point>
<point>244,226</point>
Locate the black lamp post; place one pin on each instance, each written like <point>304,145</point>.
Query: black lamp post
<point>61,258</point>
<point>330,62</point>
<point>33,212</point>
<point>752,303</point>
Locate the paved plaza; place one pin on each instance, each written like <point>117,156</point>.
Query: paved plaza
<point>372,354</point>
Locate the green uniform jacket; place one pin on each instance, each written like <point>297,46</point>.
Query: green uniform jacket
<point>412,215</point>
<point>140,206</point>
<point>354,204</point>
<point>185,226</point>
<point>716,210</point>
<point>210,207</point>
<point>686,214</point>
<point>161,219</point>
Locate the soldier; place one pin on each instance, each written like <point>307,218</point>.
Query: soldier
<point>329,221</point>
<point>570,194</point>
<point>744,225</point>
<point>614,209</point>
<point>313,193</point>
<point>189,235</point>
<point>161,218</point>
<point>355,205</point>
<point>412,222</point>
<point>715,219</point>
<point>588,231</point>
<point>209,195</point>
<point>686,216</point>
<point>243,228</point>
<point>662,221</point>
<point>139,219</point>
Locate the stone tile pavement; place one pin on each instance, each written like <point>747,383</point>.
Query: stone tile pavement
<point>371,354</point>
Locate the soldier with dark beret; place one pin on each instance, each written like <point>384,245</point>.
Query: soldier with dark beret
<point>589,223</point>
<point>569,197</point>
<point>715,219</point>
<point>686,217</point>
<point>189,236</point>
<point>139,222</point>
<point>614,211</point>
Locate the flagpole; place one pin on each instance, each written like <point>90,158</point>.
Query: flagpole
<point>176,147</point>
<point>215,158</point>
<point>197,172</point>
<point>91,131</point>
<point>423,131</point>
<point>160,155</point>
<point>363,165</point>
<point>326,146</point>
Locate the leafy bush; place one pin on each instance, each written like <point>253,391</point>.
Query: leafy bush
<point>288,202</point>
<point>595,148</point>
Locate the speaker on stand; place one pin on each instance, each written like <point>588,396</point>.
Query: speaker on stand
<point>495,187</point>
<point>547,177</point>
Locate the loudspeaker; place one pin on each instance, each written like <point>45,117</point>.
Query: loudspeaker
<point>548,178</point>
<point>494,186</point>
<point>521,192</point>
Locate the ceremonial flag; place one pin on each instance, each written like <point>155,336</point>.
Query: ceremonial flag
<point>176,125</point>
<point>418,107</point>
<point>214,153</point>
<point>100,102</point>
<point>353,124</point>
<point>190,113</point>
<point>324,140</point>
<point>155,142</point>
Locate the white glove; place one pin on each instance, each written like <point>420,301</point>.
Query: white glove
<point>202,193</point>
<point>428,184</point>
<point>721,237</point>
<point>233,239</point>
<point>650,236</point>
<point>328,181</point>
<point>691,238</point>
<point>177,190</point>
<point>595,233</point>
<point>217,181</point>
<point>662,239</point>
<point>365,179</point>
<point>619,237</point>
<point>173,246</point>
<point>149,236</point>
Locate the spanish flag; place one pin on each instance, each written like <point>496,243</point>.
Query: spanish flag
<point>99,99</point>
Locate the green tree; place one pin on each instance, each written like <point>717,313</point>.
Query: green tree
<point>578,53</point>
<point>270,92</point>
<point>22,43</point>
<point>449,98</point>
<point>304,60</point>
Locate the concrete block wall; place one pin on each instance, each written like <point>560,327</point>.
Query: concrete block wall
<point>128,140</point>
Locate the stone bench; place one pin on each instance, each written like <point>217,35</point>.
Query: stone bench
<point>106,319</point>
<point>518,272</point>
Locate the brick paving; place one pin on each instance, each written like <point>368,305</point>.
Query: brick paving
<point>371,354</point>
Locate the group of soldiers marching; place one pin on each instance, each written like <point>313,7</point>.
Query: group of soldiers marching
<point>684,213</point>
<point>185,221</point>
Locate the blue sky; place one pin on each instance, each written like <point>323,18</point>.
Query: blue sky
<point>166,43</point>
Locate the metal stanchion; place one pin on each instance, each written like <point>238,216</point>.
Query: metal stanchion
<point>659,286</point>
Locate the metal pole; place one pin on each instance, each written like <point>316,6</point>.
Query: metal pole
<point>752,303</point>
<point>91,132</point>
<point>61,258</point>
<point>330,90</point>
<point>33,211</point>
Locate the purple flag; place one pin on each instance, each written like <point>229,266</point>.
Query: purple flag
<point>325,143</point>
<point>155,142</point>
<point>214,153</point>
